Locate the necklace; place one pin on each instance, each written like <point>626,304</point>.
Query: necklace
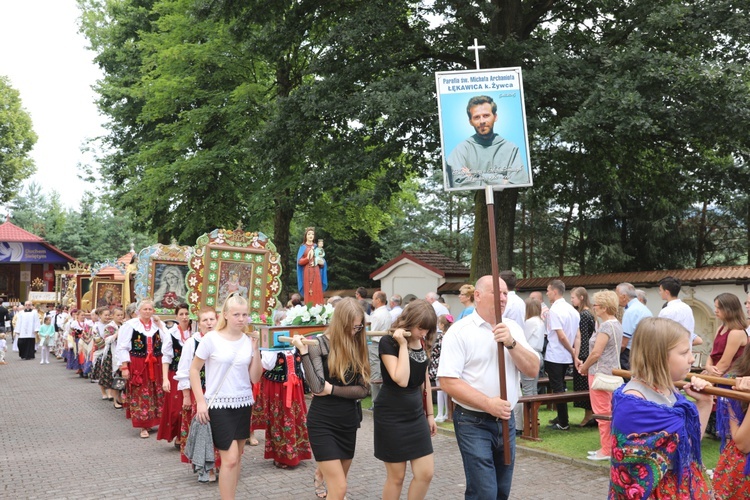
<point>147,326</point>
<point>419,355</point>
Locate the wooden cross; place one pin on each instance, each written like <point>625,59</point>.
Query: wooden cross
<point>476,48</point>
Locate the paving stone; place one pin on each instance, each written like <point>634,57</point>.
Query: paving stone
<point>59,440</point>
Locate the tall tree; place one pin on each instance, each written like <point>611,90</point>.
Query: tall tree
<point>17,138</point>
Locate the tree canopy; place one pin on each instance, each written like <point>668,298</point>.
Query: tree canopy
<point>284,114</point>
<point>17,138</point>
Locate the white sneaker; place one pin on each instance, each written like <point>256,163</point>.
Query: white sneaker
<point>46,362</point>
<point>440,419</point>
<point>41,362</point>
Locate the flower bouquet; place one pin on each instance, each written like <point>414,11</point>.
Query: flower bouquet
<point>308,315</point>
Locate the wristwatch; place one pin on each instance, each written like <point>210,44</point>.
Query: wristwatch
<point>509,347</point>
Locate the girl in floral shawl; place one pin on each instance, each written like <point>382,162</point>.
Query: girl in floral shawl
<point>656,431</point>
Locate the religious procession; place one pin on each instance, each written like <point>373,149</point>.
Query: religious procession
<point>204,355</point>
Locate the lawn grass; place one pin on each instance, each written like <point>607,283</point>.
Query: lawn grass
<point>576,442</point>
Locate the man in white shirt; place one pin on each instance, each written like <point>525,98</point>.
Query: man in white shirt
<point>676,309</point>
<point>432,298</point>
<point>380,321</point>
<point>562,326</point>
<point>516,307</point>
<point>468,372</point>
<point>545,310</point>
<point>396,308</point>
<point>27,326</point>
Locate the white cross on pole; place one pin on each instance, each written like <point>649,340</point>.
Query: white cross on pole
<point>476,48</point>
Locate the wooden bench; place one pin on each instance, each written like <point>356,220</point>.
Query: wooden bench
<point>531,406</point>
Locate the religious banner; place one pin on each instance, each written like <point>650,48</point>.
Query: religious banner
<point>229,262</point>
<point>483,129</point>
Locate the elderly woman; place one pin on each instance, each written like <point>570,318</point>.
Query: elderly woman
<point>139,346</point>
<point>604,356</point>
<point>466,296</point>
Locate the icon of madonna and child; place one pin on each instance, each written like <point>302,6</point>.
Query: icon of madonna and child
<point>312,269</point>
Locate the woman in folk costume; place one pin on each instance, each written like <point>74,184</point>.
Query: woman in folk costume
<point>206,322</point>
<point>312,279</point>
<point>75,330</point>
<point>104,374</point>
<point>97,355</point>
<point>171,412</point>
<point>656,431</point>
<point>281,410</point>
<point>122,397</point>
<point>139,346</point>
<point>86,345</point>
<point>732,473</point>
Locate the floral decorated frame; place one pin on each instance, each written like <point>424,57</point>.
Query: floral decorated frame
<point>151,260</point>
<point>234,261</point>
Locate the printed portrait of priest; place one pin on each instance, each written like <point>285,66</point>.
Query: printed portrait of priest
<point>485,158</point>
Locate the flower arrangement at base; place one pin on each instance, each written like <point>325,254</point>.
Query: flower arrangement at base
<point>308,315</point>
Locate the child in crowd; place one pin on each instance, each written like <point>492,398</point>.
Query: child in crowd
<point>46,339</point>
<point>444,322</point>
<point>652,419</point>
<point>3,348</point>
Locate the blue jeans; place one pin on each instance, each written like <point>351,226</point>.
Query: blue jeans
<point>481,444</point>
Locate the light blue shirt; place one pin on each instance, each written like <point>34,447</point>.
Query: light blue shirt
<point>635,311</point>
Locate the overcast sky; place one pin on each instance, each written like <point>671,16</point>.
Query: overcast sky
<point>46,60</point>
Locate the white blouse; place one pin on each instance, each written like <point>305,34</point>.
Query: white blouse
<point>218,353</point>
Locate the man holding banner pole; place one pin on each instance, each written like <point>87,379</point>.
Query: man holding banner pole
<point>467,361</point>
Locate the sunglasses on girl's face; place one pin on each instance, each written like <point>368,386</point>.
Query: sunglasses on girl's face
<point>358,328</point>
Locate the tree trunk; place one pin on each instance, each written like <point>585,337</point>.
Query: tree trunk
<point>702,232</point>
<point>505,216</point>
<point>506,22</point>
<point>564,246</point>
<point>282,221</point>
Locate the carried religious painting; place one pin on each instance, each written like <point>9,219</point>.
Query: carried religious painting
<point>160,276</point>
<point>169,284</point>
<point>483,129</point>
<point>230,262</point>
<point>83,292</point>
<point>107,294</point>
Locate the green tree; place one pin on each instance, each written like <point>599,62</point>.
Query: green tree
<point>17,138</point>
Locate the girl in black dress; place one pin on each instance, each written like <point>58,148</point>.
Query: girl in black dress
<point>579,297</point>
<point>402,430</point>
<point>337,370</point>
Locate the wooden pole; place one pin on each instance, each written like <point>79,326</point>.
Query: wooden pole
<point>490,199</point>
<point>714,391</point>
<point>407,333</point>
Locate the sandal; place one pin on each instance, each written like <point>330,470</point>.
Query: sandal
<point>279,465</point>
<point>252,441</point>
<point>144,433</point>
<point>320,487</point>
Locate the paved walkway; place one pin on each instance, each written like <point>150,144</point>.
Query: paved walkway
<point>58,439</point>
